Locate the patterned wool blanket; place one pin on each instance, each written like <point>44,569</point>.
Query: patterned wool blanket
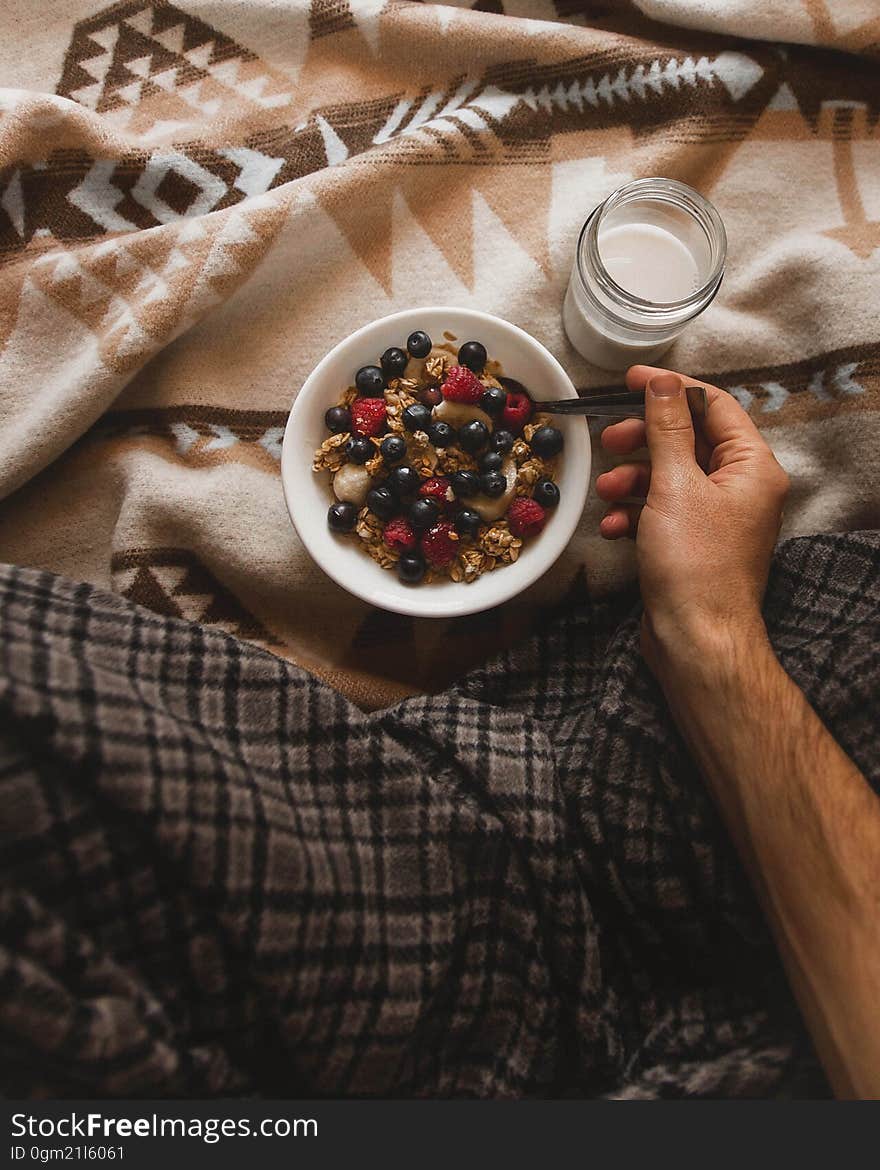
<point>217,876</point>
<point>199,198</point>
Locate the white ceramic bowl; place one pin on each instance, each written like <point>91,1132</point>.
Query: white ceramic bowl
<point>308,495</point>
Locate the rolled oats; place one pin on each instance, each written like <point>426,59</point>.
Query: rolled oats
<point>375,463</point>
<point>330,456</point>
<point>493,544</point>
<point>529,473</point>
<point>500,543</point>
<point>385,557</point>
<point>452,459</point>
<point>470,564</point>
<point>369,527</point>
<point>521,451</point>
<point>397,399</point>
<point>422,454</point>
<point>538,420</point>
<point>436,365</point>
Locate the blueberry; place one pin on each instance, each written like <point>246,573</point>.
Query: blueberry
<point>546,493</point>
<point>393,448</point>
<point>404,481</point>
<point>473,355</point>
<point>547,442</point>
<point>473,436</point>
<point>441,434</point>
<point>431,396</point>
<point>491,461</point>
<point>424,514</point>
<point>501,441</point>
<point>394,362</point>
<point>411,567</point>
<point>370,381</point>
<point>465,483</point>
<point>342,516</point>
<point>337,419</point>
<point>467,522</point>
<point>359,449</point>
<point>418,344</point>
<point>493,400</point>
<point>493,484</point>
<point>382,502</point>
<point>417,417</point>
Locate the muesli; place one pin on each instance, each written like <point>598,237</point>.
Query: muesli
<point>438,463</point>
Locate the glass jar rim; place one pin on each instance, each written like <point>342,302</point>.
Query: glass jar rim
<point>664,191</point>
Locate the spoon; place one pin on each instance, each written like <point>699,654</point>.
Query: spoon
<point>612,404</point>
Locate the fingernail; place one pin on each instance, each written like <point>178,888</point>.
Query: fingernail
<point>665,385</point>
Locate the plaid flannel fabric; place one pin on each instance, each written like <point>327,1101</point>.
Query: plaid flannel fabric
<point>221,877</point>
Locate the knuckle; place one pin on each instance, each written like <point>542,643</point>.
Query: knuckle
<point>673,426</point>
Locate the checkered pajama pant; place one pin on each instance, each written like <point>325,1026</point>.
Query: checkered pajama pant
<point>220,877</point>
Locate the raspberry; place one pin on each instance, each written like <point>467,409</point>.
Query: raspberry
<point>440,544</point>
<point>437,489</point>
<point>399,535</point>
<point>368,416</point>
<point>517,411</point>
<point>525,517</point>
<point>462,385</point>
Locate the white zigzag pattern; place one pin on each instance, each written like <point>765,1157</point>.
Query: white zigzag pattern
<point>464,108</point>
<point>735,71</point>
<point>842,384</point>
<point>222,438</point>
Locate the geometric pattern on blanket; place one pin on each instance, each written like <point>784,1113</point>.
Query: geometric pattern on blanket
<point>220,877</point>
<point>172,581</point>
<point>134,59</point>
<point>201,212</point>
<point>847,379</point>
<point>153,70</point>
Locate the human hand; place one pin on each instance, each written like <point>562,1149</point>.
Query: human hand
<point>712,508</point>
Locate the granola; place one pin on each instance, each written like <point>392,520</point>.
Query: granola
<point>451,459</point>
<point>330,456</point>
<point>447,475</point>
<point>500,543</point>
<point>529,473</point>
<point>436,365</point>
<point>423,455</point>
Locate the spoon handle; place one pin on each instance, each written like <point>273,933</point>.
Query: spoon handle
<point>618,404</point>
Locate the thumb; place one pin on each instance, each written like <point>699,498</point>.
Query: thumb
<point>669,426</point>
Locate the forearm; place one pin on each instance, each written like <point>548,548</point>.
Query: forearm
<point>807,827</point>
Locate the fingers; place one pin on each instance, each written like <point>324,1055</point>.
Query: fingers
<point>725,421</point>
<point>620,521</point>
<point>669,427</point>
<point>624,437</point>
<point>637,376</point>
<point>628,479</point>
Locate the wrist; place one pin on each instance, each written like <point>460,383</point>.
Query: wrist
<point>705,649</point>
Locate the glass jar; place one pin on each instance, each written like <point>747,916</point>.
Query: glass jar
<point>648,260</point>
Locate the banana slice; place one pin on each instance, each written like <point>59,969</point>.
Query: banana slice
<point>491,510</point>
<point>459,413</point>
<point>352,482</point>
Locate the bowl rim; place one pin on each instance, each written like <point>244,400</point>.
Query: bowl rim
<point>424,602</point>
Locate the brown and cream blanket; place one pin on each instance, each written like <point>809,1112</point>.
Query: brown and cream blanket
<point>198,198</point>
